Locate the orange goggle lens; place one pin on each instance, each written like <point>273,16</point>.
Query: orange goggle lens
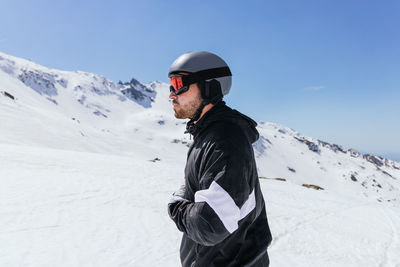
<point>176,82</point>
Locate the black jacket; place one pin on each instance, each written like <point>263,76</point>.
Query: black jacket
<point>223,216</point>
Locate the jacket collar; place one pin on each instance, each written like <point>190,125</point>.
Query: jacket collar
<point>222,113</point>
<point>195,128</point>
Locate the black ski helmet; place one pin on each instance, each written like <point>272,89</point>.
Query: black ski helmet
<point>212,73</point>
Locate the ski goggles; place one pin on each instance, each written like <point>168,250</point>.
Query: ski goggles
<point>180,83</point>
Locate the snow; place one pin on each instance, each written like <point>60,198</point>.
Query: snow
<point>316,228</point>
<point>66,208</point>
<point>78,189</point>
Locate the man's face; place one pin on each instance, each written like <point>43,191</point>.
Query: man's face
<point>186,104</point>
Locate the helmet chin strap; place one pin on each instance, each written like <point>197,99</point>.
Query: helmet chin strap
<point>190,126</point>
<point>197,115</point>
<point>210,96</point>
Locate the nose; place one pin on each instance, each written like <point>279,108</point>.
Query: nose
<point>172,95</point>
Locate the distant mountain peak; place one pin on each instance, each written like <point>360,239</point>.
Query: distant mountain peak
<point>139,92</point>
<point>48,82</point>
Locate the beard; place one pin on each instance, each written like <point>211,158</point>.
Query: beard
<point>188,110</point>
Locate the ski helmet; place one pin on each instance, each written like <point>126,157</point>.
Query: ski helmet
<point>208,70</point>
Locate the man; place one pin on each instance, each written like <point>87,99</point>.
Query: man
<point>220,208</point>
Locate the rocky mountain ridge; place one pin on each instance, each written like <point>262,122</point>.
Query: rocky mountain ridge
<point>48,83</point>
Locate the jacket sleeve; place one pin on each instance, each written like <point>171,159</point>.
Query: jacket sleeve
<point>225,196</point>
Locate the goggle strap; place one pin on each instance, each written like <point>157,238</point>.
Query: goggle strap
<point>206,75</point>
<point>212,73</point>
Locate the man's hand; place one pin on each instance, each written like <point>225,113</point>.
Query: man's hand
<point>177,200</point>
<point>178,195</point>
<point>176,207</point>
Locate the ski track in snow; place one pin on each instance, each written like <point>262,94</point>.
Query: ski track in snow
<point>305,223</point>
<point>87,217</point>
<point>393,248</point>
<point>313,229</point>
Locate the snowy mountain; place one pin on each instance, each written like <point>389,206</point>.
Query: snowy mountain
<point>87,167</point>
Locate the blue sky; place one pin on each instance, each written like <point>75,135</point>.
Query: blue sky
<point>327,68</point>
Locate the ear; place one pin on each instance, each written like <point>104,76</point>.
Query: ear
<point>210,90</point>
<point>214,90</point>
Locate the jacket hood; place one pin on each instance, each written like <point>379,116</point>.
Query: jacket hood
<point>221,112</point>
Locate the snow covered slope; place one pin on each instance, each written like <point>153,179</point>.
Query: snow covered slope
<point>76,110</point>
<point>285,153</point>
<point>87,166</point>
